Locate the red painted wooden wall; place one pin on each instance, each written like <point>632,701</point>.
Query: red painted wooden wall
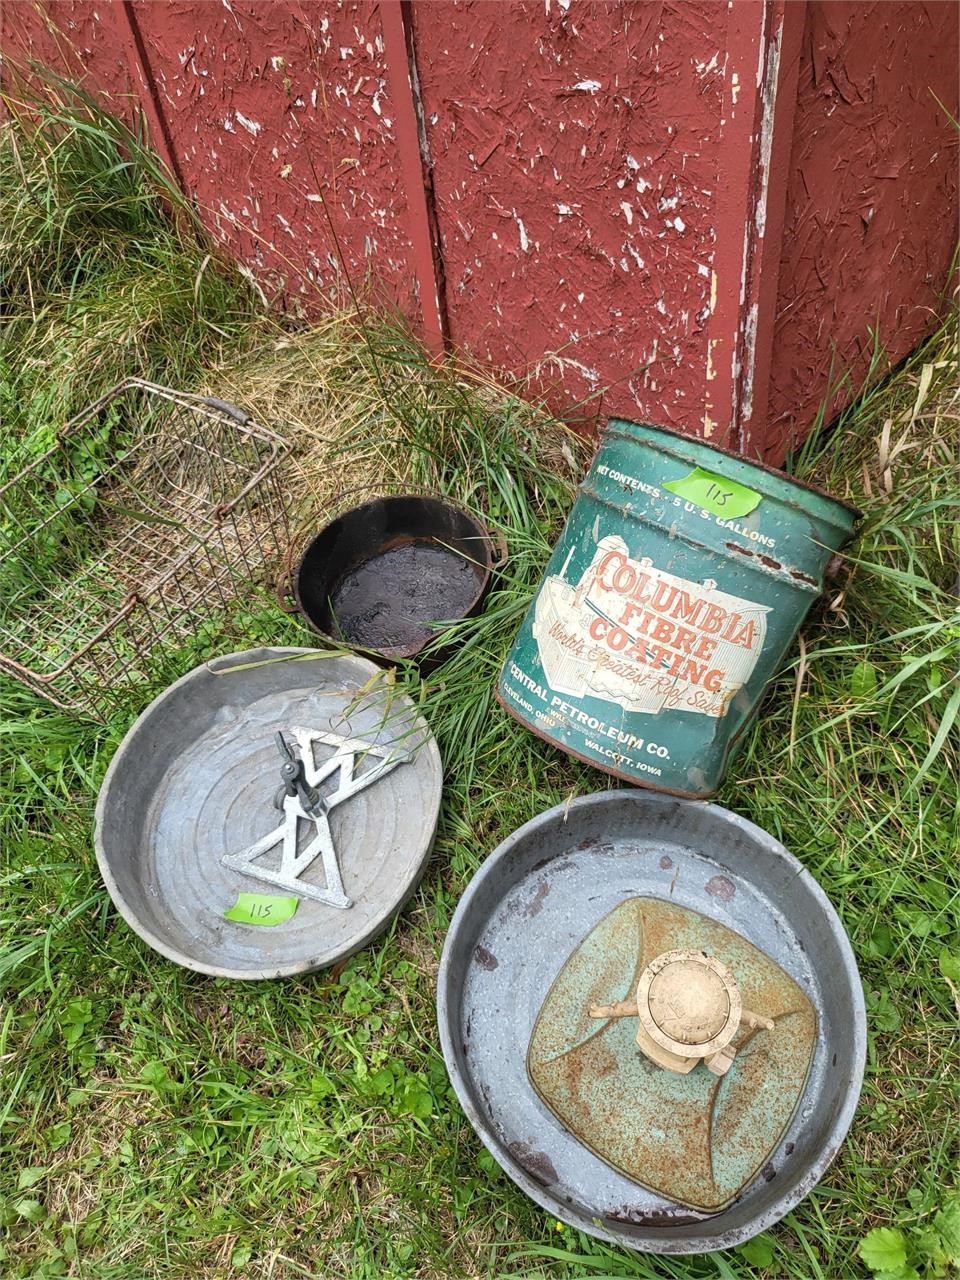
<point>678,210</point>
<point>871,198</point>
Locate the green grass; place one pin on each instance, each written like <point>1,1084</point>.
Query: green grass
<point>103,270</point>
<point>156,1123</point>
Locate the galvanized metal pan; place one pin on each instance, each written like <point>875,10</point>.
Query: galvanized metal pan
<point>189,815</point>
<point>535,899</point>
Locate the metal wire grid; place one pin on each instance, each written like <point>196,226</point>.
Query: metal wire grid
<point>151,508</point>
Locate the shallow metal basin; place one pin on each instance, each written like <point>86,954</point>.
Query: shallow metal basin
<point>532,902</point>
<point>194,782</point>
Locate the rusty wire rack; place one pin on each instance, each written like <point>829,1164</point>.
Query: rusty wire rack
<point>151,509</point>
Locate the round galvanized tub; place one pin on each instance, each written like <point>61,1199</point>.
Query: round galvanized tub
<point>676,588</point>
<point>194,781</point>
<point>531,904</point>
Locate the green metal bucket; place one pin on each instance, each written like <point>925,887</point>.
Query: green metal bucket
<point>677,586</point>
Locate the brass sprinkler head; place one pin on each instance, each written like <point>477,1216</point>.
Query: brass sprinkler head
<point>689,1009</point>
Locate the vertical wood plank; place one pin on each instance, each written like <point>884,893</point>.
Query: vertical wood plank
<point>397,38</point>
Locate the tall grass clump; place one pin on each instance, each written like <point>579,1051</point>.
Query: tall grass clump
<point>104,268</point>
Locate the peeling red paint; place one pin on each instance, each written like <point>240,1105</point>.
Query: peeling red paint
<point>138,66</point>
<point>775,116</point>
<point>285,125</point>
<point>418,185</point>
<point>77,39</point>
<point>730,367</point>
<point>871,221</point>
<point>673,210</point>
<point>575,151</point>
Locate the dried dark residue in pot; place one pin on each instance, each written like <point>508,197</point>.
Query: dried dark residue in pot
<point>393,598</point>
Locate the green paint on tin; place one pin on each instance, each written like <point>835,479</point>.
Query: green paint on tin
<point>659,621</point>
<point>715,493</point>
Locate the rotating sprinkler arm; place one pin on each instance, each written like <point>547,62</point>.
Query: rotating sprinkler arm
<point>622,1009</point>
<point>294,782</point>
<point>629,1009</point>
<point>755,1022</point>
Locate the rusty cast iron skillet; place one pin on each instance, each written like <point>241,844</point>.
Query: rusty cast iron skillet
<point>380,575</point>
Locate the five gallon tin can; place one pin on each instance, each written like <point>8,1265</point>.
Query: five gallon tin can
<point>677,586</point>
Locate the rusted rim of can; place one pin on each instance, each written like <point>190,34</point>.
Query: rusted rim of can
<point>595,764</point>
<point>729,551</point>
<point>776,472</point>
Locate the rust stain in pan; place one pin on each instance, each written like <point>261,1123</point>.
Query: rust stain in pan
<point>535,905</point>
<point>537,1163</point>
<point>720,887</point>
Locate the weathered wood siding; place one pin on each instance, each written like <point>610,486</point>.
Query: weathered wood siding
<point>676,210</point>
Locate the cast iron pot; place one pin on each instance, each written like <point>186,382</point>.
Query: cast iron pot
<point>380,575</point>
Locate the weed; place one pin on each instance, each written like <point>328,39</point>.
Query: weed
<point>921,1252</point>
<point>98,280</point>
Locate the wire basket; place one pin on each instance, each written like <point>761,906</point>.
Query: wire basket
<point>151,509</point>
